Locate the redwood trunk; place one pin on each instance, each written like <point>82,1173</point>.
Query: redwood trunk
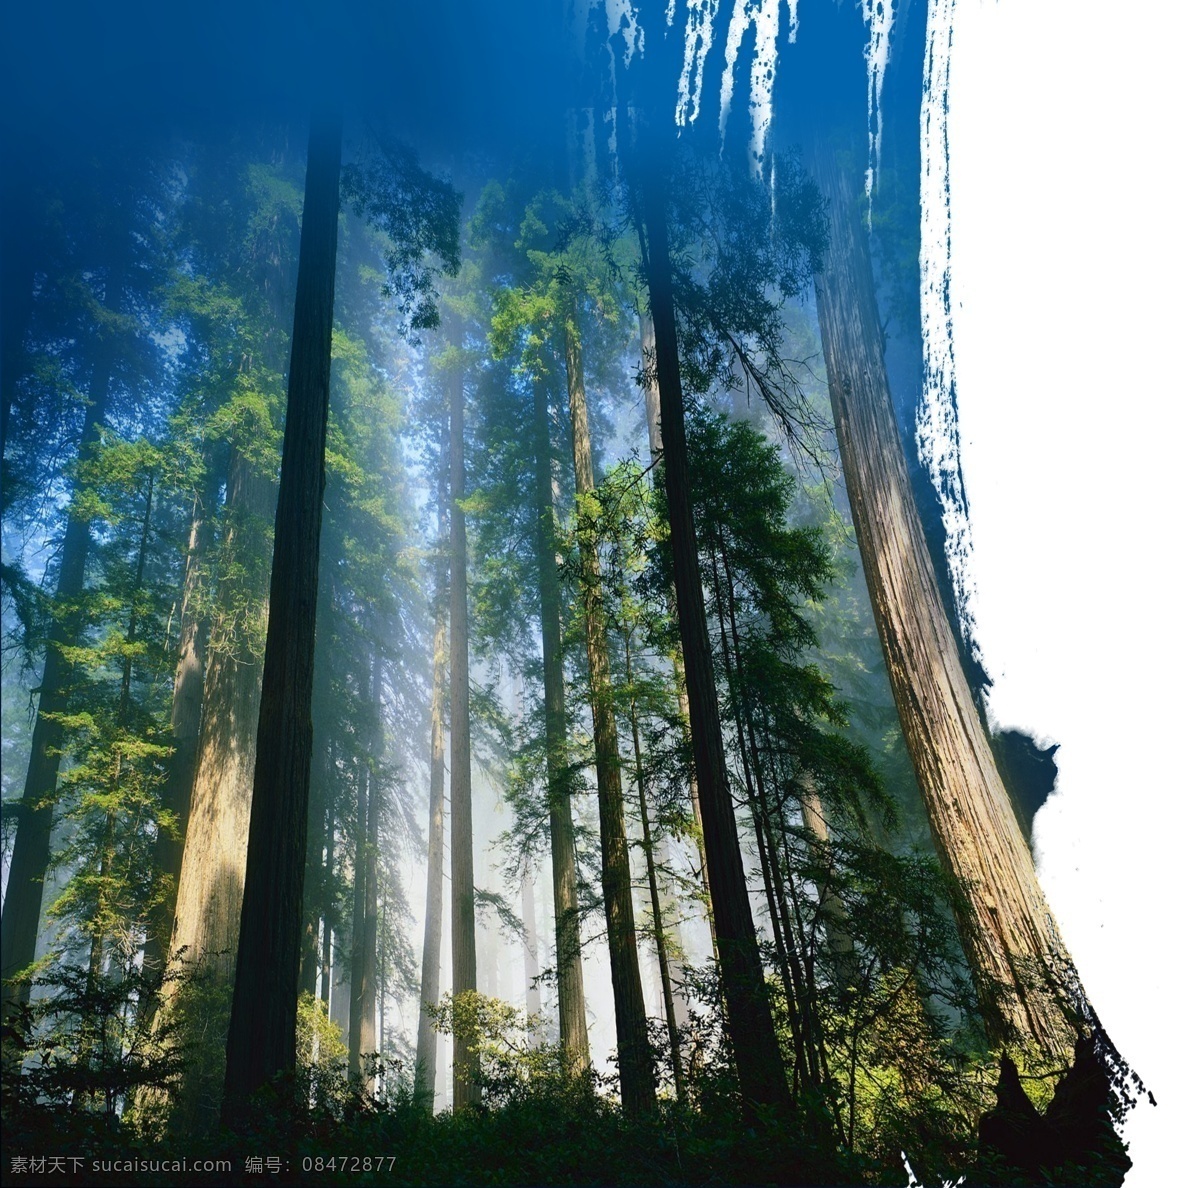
<point>370,953</point>
<point>654,432</point>
<point>533,994</point>
<point>635,1061</point>
<point>327,903</point>
<point>462,865</point>
<point>208,901</point>
<point>262,1025</point>
<point>751,1028</point>
<point>186,706</point>
<point>568,960</point>
<point>1008,932</point>
<point>358,926</point>
<point>431,952</point>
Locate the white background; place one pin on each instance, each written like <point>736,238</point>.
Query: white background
<point>1075,259</point>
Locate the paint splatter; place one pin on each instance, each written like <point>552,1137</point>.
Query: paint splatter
<point>937,423</point>
<point>764,16</point>
<point>697,41</point>
<point>879,17</point>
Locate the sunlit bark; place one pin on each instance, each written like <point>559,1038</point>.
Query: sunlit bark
<point>634,1059</point>
<point>213,862</point>
<point>186,706</point>
<point>1008,932</point>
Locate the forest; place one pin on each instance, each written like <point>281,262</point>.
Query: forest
<point>487,697</point>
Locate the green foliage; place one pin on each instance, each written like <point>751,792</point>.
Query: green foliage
<point>740,253</point>
<point>497,1035</point>
<point>86,1048</point>
<point>115,726</point>
<point>872,1007</point>
<point>320,1055</point>
<point>418,214</point>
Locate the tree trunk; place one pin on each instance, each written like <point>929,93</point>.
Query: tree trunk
<point>327,905</point>
<point>831,908</point>
<point>321,796</point>
<point>533,994</point>
<point>358,924</point>
<point>212,869</point>
<point>795,986</point>
<point>656,912</point>
<point>751,1029</point>
<point>365,987</point>
<point>431,952</point>
<point>650,386</point>
<point>635,1060</point>
<point>383,983</point>
<point>654,432</point>
<point>186,707</point>
<point>1021,966</point>
<point>462,865</point>
<point>568,959</point>
<point>34,813</point>
<point>262,1025</point>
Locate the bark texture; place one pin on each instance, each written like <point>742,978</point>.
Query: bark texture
<point>431,951</point>
<point>462,860</point>
<point>365,987</point>
<point>208,901</point>
<point>1009,934</point>
<point>358,916</point>
<point>654,432</point>
<point>187,703</point>
<point>262,1025</point>
<point>568,960</point>
<point>751,1028</point>
<point>635,1062</point>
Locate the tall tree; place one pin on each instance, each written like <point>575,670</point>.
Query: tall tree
<point>186,706</point>
<point>425,1078</point>
<point>634,1060</point>
<point>262,1026</point>
<point>35,811</point>
<point>653,403</point>
<point>512,235</point>
<point>364,965</point>
<point>568,957</point>
<point>467,1090</point>
<point>240,229</point>
<point>431,950</point>
<point>1023,970</point>
<point>212,865</point>
<point>751,1028</point>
